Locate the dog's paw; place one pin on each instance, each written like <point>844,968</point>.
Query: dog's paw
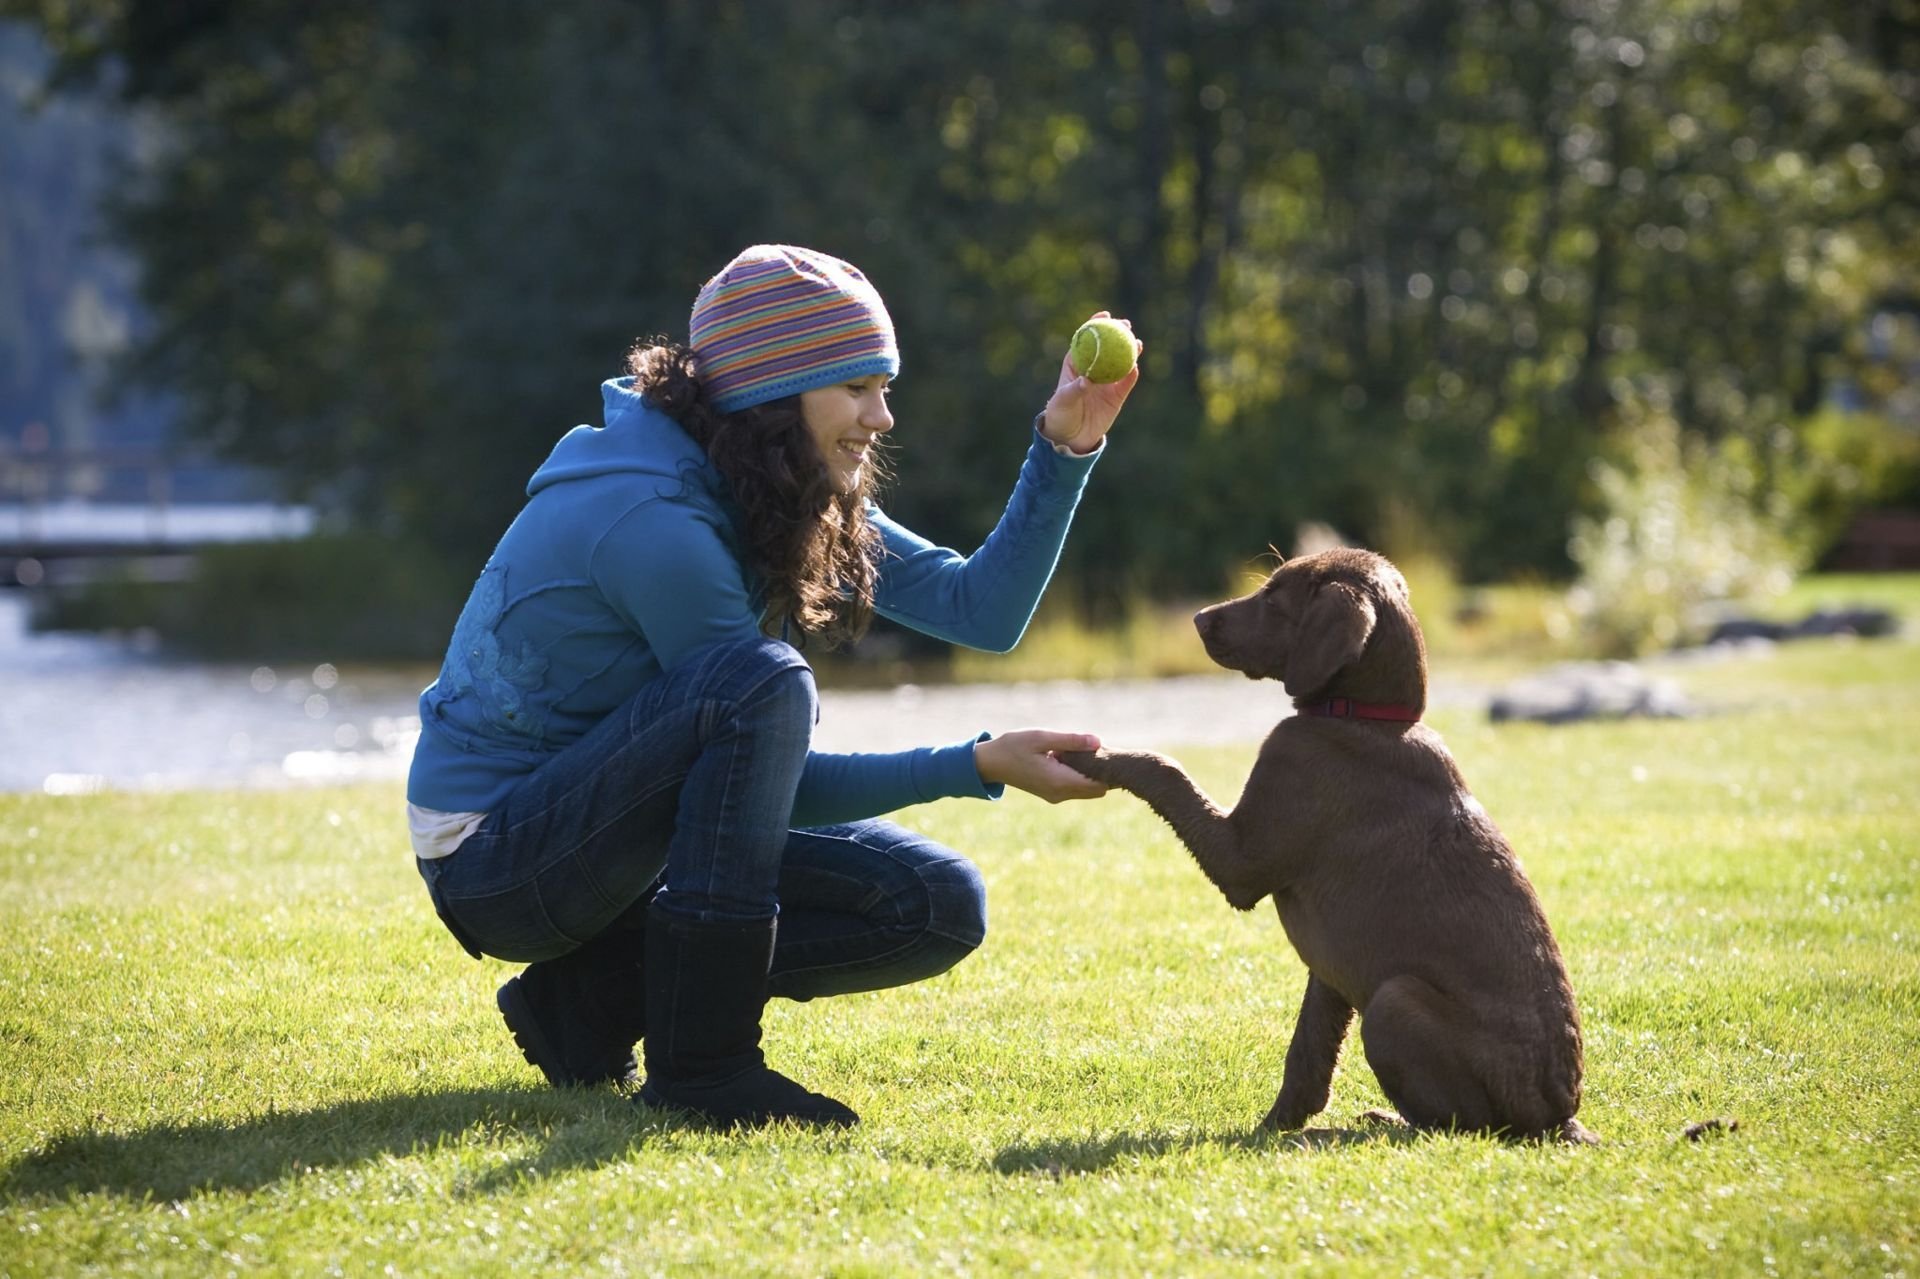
<point>1575,1133</point>
<point>1088,763</point>
<point>1290,1119</point>
<point>1381,1118</point>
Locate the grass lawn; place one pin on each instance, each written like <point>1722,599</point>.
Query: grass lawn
<point>235,1040</point>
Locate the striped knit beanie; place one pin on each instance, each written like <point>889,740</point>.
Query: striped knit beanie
<point>779,320</point>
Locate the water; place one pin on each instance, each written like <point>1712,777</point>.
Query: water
<point>86,712</point>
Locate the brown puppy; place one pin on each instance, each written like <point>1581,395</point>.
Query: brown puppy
<point>1391,881</point>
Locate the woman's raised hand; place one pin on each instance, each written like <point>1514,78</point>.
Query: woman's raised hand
<point>1081,412</point>
<point>1024,759</point>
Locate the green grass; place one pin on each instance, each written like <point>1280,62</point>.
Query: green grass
<point>236,1041</point>
<point>1899,592</point>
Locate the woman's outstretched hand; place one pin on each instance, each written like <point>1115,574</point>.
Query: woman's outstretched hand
<point>1081,412</point>
<point>1024,760</point>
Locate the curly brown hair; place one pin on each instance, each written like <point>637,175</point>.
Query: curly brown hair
<point>808,541</point>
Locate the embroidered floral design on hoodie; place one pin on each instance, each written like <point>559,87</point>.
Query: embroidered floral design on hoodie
<point>501,681</point>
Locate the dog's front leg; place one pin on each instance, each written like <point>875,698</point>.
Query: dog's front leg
<point>1324,1018</point>
<point>1202,825</point>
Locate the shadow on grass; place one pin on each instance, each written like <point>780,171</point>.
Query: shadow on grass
<point>567,1130</point>
<point>1078,1156</point>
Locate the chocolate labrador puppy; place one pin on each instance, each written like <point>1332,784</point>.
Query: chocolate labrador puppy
<point>1391,881</point>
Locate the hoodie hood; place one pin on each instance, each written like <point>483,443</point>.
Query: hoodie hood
<point>637,439</point>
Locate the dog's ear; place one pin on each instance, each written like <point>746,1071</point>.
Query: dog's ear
<point>1333,630</point>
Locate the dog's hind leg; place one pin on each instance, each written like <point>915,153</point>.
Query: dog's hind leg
<point>1311,1057</point>
<point>1422,1054</point>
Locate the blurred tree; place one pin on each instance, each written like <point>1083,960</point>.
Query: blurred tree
<point>1398,265</point>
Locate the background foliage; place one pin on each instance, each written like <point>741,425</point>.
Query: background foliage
<point>1399,266</point>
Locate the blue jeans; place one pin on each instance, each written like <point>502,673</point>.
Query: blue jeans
<point>692,783</point>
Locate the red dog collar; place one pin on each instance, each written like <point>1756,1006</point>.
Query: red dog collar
<point>1347,708</point>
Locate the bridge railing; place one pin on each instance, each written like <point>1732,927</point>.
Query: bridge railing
<point>105,501</point>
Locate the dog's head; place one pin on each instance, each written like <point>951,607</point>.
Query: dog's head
<point>1334,624</point>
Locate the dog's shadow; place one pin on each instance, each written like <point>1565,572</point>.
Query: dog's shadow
<point>1072,1157</point>
<point>560,1130</point>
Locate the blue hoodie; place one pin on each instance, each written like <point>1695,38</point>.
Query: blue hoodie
<point>625,560</point>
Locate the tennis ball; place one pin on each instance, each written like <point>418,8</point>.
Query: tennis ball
<point>1102,351</point>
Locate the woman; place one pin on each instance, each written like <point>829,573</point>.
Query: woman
<point>613,780</point>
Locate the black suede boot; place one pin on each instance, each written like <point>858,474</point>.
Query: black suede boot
<point>578,1017</point>
<point>706,988</point>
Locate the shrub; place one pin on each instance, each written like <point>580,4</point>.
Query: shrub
<point>1679,530</point>
<point>1849,461</point>
<point>352,595</point>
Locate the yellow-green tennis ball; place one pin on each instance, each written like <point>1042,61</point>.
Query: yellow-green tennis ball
<point>1102,351</point>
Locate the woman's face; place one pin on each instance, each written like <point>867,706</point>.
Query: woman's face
<point>844,420</point>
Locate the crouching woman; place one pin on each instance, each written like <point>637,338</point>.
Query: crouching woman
<point>614,782</point>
